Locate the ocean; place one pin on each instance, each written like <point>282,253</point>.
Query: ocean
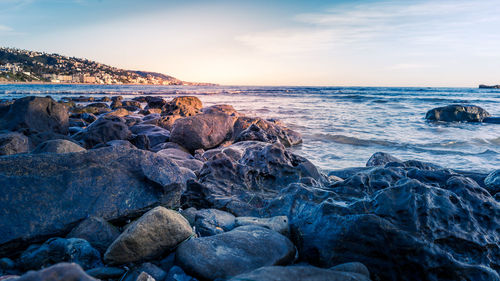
<point>341,126</point>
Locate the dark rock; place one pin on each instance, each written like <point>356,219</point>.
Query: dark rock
<point>155,102</point>
<point>58,146</point>
<point>104,129</point>
<point>6,263</point>
<point>116,104</point>
<point>143,276</point>
<point>298,272</point>
<point>202,131</point>
<point>380,159</point>
<point>489,86</point>
<point>209,222</point>
<point>257,129</point>
<point>175,153</point>
<point>492,120</point>
<point>83,99</point>
<point>77,123</point>
<point>238,251</point>
<point>492,182</point>
<point>457,113</point>
<point>148,268</point>
<point>148,136</point>
<point>355,267</point>
<point>348,172</point>
<point>221,108</point>
<point>106,273</point>
<point>58,272</point>
<point>150,236</point>
<point>98,232</point>
<point>177,274</point>
<point>279,223</point>
<point>183,106</point>
<point>120,112</point>
<point>36,115</point>
<point>191,164</point>
<point>168,145</point>
<point>13,143</point>
<point>105,99</point>
<point>189,214</point>
<point>74,130</point>
<point>56,250</point>
<point>242,177</point>
<point>114,183</point>
<point>124,143</point>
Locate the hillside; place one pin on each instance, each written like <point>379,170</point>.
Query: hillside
<point>30,66</point>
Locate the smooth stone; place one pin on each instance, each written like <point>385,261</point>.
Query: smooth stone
<point>240,250</point>
<point>380,159</point>
<point>177,274</point>
<point>189,214</point>
<point>106,272</point>
<point>492,182</point>
<point>57,250</point>
<point>59,272</point>
<point>212,221</point>
<point>155,232</point>
<point>97,231</point>
<point>298,272</point>
<point>58,146</point>
<point>457,113</point>
<point>279,223</point>
<point>13,143</point>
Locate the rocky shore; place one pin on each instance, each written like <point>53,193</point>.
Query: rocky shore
<point>154,189</point>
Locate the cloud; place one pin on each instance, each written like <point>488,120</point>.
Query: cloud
<point>4,28</point>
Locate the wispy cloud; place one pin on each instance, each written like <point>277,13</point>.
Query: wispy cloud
<point>4,28</point>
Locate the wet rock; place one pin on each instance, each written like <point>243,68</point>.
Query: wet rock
<point>279,223</point>
<point>156,231</point>
<point>241,178</point>
<point>202,131</point>
<point>106,273</point>
<point>13,143</point>
<point>177,274</point>
<point>298,272</point>
<point>221,108</point>
<point>56,250</point>
<point>238,251</point>
<point>492,182</point>
<point>88,117</point>
<point>114,183</point>
<point>58,146</point>
<point>184,106</point>
<point>257,129</point>
<point>58,272</point>
<point>148,136</point>
<point>380,159</point>
<point>155,102</point>
<point>492,120</point>
<point>36,114</point>
<point>98,232</point>
<point>457,113</point>
<point>209,222</point>
<point>104,129</point>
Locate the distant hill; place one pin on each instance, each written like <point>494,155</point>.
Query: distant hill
<point>30,66</point>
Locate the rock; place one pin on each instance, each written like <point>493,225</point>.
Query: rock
<point>298,272</point>
<point>116,104</point>
<point>124,143</point>
<point>191,164</point>
<point>58,272</point>
<point>148,136</point>
<point>114,183</point>
<point>257,129</point>
<point>151,235</point>
<point>155,102</point>
<point>489,86</point>
<point>88,117</point>
<point>13,143</point>
<point>36,114</point>
<point>184,106</point>
<point>106,273</point>
<point>176,153</point>
<point>355,267</point>
<point>241,178</point>
<point>492,120</point>
<point>104,129</point>
<point>77,122</point>
<point>150,111</point>
<point>457,113</point>
<point>167,145</point>
<point>150,269</point>
<point>105,99</point>
<point>202,131</point>
<point>492,182</point>
<point>120,112</point>
<point>144,277</point>
<point>189,214</point>
<point>177,274</point>
<point>380,159</point>
<point>278,223</point>
<point>58,146</point>
<point>209,222</point>
<point>240,250</point>
<point>98,232</point>
<point>56,250</point>
<point>221,108</point>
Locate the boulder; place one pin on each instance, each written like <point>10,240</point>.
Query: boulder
<point>147,136</point>
<point>457,113</point>
<point>13,143</point>
<point>298,272</point>
<point>209,222</point>
<point>257,129</point>
<point>58,272</point>
<point>202,131</point>
<point>36,114</point>
<point>240,250</point>
<point>105,273</point>
<point>242,177</point>
<point>151,235</point>
<point>492,182</point>
<point>148,268</point>
<point>98,232</point>
<point>58,146</point>
<point>120,112</point>
<point>104,129</point>
<point>56,250</point>
<point>221,108</point>
<point>155,102</point>
<point>114,183</point>
<point>184,106</point>
<point>380,159</point>
<point>177,274</point>
<point>279,223</point>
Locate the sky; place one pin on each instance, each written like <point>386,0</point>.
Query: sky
<point>283,42</point>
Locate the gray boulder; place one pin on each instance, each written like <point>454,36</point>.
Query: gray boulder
<point>202,131</point>
<point>147,136</point>
<point>45,195</point>
<point>150,236</point>
<point>98,232</point>
<point>279,223</point>
<point>221,108</point>
<point>104,129</point>
<point>240,250</point>
<point>297,273</point>
<point>257,129</point>
<point>13,143</point>
<point>457,113</point>
<point>212,221</point>
<point>59,272</point>
<point>58,146</point>
<point>380,159</point>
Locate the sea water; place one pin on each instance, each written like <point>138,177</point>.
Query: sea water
<point>341,126</point>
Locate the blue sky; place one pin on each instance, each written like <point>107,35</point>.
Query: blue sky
<point>345,43</point>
